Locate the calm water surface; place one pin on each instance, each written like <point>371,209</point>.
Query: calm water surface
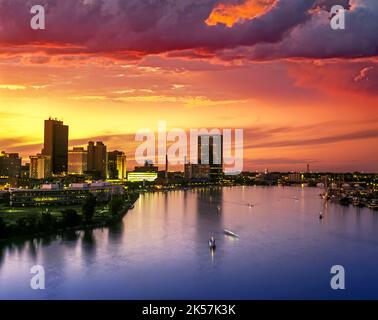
<point>160,250</point>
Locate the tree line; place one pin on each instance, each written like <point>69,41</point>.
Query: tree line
<point>45,222</point>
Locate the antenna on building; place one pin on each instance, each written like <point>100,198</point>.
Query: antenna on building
<point>166,168</point>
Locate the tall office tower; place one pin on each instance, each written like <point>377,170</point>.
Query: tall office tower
<point>40,166</point>
<point>97,159</point>
<point>115,166</point>
<point>188,171</point>
<point>90,156</point>
<point>33,170</point>
<point>56,145</point>
<point>77,161</point>
<point>25,171</point>
<point>121,167</point>
<point>166,168</point>
<point>210,151</point>
<point>10,165</point>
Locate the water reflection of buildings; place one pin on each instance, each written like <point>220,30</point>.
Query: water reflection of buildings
<point>88,247</point>
<point>209,211</point>
<point>46,251</point>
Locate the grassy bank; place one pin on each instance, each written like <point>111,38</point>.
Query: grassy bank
<point>35,221</point>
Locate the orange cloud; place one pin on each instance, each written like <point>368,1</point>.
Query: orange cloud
<point>229,14</point>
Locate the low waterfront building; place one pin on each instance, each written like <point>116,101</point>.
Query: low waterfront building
<point>147,167</point>
<point>296,177</point>
<point>197,171</point>
<point>142,176</point>
<point>148,172</point>
<point>55,195</point>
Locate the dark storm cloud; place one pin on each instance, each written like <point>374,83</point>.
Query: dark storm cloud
<point>315,38</point>
<point>135,28</point>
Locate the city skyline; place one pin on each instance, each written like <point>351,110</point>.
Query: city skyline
<point>302,92</point>
<point>284,163</point>
<point>100,158</point>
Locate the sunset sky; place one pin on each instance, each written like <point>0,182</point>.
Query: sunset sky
<point>302,92</point>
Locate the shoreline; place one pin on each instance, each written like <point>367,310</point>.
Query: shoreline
<point>106,222</point>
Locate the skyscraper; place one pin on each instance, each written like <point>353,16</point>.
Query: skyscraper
<point>77,161</point>
<point>97,160</point>
<point>40,166</point>
<point>121,167</point>
<point>10,165</point>
<point>25,171</point>
<point>166,169</point>
<point>116,165</point>
<point>33,170</point>
<point>210,152</point>
<point>56,145</point>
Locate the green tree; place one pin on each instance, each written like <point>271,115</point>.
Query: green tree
<point>47,221</point>
<point>70,218</point>
<point>115,206</point>
<point>32,223</point>
<point>21,226</point>
<point>89,207</point>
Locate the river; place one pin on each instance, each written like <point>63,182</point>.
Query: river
<point>160,250</point>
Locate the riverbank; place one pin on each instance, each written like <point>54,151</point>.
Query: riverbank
<point>34,222</point>
<point>356,198</point>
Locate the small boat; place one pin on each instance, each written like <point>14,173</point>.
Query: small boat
<point>356,202</point>
<point>212,243</point>
<point>344,201</point>
<point>250,205</point>
<point>321,215</point>
<point>373,205</point>
<point>230,233</point>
